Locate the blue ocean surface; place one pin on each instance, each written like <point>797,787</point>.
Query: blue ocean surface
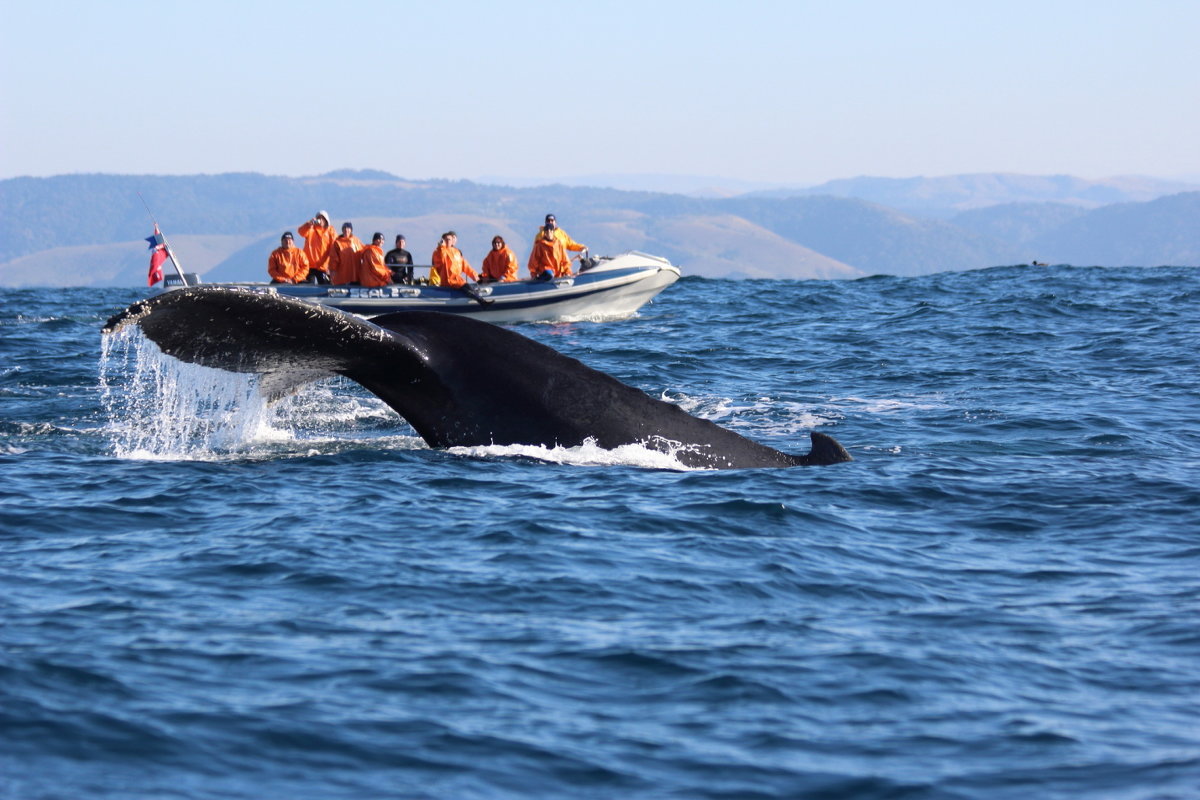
<point>203,596</point>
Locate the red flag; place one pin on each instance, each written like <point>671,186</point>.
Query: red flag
<point>157,256</point>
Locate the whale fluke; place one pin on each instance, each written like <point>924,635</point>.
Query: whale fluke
<point>456,380</point>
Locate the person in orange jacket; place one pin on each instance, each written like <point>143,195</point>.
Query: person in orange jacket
<point>449,263</point>
<point>548,258</point>
<point>500,264</point>
<point>343,256</point>
<point>287,263</point>
<point>318,239</point>
<point>560,234</point>
<point>371,269</point>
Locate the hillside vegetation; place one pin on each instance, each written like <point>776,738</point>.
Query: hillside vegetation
<point>87,229</point>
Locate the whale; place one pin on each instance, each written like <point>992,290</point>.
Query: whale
<point>459,382</point>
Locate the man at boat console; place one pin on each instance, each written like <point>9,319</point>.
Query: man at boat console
<point>287,263</point>
<point>548,259</point>
<point>562,236</point>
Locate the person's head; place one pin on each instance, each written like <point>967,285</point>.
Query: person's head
<point>347,229</point>
<point>377,238</point>
<point>548,232</point>
<point>400,240</point>
<point>551,222</point>
<point>322,219</point>
<point>450,237</point>
<point>287,239</point>
<point>497,242</point>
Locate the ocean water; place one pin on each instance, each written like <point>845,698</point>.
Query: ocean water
<point>202,596</point>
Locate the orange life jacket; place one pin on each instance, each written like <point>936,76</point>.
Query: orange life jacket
<point>371,269</point>
<point>343,259</point>
<point>450,266</point>
<point>500,265</point>
<point>288,264</point>
<point>317,243</point>
<point>549,255</point>
<point>564,237</point>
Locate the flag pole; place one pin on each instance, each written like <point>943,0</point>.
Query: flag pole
<point>158,233</point>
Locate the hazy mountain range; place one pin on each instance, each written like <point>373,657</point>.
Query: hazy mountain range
<point>77,230</point>
<point>939,197</point>
<point>947,196</point>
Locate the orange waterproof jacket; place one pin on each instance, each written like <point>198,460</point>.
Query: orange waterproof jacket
<point>287,264</point>
<point>500,265</point>
<point>317,243</point>
<point>564,237</point>
<point>549,255</point>
<point>450,266</point>
<point>371,269</point>
<point>343,259</point>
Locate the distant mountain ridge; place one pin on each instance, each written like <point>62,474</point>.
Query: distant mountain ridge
<point>952,194</point>
<point>689,185</point>
<point>87,229</point>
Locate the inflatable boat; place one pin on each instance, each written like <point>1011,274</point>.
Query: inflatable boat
<point>605,288</point>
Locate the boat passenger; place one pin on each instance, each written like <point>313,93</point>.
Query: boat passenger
<point>371,269</point>
<point>500,264</point>
<point>287,263</point>
<point>400,262</point>
<point>449,263</point>
<point>318,240</point>
<point>561,235</point>
<point>548,259</point>
<point>343,257</point>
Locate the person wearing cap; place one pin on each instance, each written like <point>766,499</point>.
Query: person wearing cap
<point>500,264</point>
<point>372,271</point>
<point>287,263</point>
<point>548,258</point>
<point>560,234</point>
<point>318,239</point>
<point>343,257</point>
<point>449,263</point>
<point>400,262</point>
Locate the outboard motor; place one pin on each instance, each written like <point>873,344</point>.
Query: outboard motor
<point>586,261</point>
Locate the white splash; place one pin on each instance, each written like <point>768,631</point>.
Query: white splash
<point>588,454</point>
<point>162,408</point>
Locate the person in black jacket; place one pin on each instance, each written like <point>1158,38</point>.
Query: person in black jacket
<point>400,262</point>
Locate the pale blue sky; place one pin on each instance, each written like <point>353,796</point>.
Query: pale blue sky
<point>787,92</point>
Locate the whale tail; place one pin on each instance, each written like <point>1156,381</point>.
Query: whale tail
<point>825,450</point>
<point>457,381</point>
